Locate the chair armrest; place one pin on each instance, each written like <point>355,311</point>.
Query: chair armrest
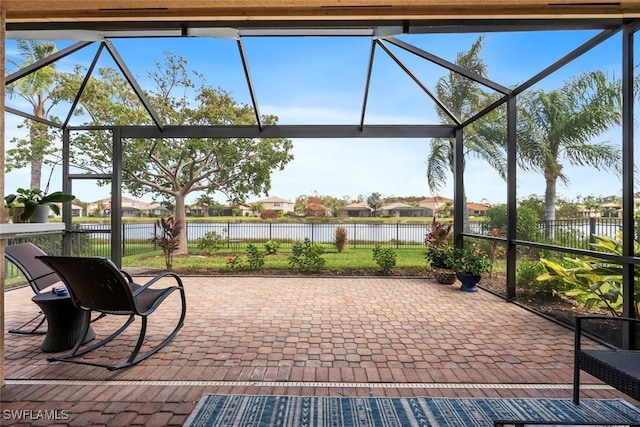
<point>126,275</point>
<point>156,278</point>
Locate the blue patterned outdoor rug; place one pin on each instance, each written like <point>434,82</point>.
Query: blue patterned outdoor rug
<point>266,411</point>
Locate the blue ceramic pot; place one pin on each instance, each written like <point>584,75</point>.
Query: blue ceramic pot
<point>469,281</point>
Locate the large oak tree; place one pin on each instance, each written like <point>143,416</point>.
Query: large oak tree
<point>173,168</point>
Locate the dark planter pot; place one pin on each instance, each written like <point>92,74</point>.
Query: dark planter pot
<point>469,281</point>
<point>446,276</point>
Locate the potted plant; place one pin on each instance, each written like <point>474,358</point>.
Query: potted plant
<point>442,260</point>
<point>440,253</point>
<point>33,200</point>
<point>470,263</point>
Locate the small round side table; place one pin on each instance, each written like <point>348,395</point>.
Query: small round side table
<point>64,322</point>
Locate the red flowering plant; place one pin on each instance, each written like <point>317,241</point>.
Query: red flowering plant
<point>440,252</point>
<point>438,234</point>
<point>232,262</point>
<point>472,260</point>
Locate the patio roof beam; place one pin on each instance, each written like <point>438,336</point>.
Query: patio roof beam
<point>252,92</point>
<point>44,62</point>
<point>76,100</point>
<point>133,82</point>
<point>32,117</point>
<point>585,47</point>
<point>449,65</point>
<point>372,53</point>
<point>289,131</point>
<point>435,99</point>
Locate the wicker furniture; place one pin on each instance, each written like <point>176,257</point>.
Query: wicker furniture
<point>96,284</point>
<point>619,368</point>
<point>38,275</point>
<point>64,322</point>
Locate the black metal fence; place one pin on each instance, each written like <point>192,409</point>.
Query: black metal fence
<point>94,239</point>
<point>571,233</point>
<point>137,237</point>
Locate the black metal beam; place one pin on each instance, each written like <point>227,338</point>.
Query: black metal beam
<point>459,205</point>
<point>116,199</point>
<point>44,62</point>
<point>425,89</point>
<point>368,83</point>
<point>449,65</point>
<point>32,117</point>
<point>252,92</point>
<point>83,84</point>
<point>628,172</point>
<point>134,83</point>
<point>289,131</point>
<point>588,45</point>
<point>67,187</point>
<point>583,48</point>
<point>512,194</point>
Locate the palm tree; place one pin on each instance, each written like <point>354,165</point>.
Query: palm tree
<point>559,125</point>
<point>206,202</point>
<point>463,97</point>
<point>35,88</point>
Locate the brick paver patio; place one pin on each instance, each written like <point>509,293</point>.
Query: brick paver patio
<point>298,336</point>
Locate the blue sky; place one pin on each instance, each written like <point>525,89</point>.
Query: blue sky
<point>315,80</point>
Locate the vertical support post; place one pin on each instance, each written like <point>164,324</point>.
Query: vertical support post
<point>116,198</point>
<point>512,214</point>
<point>3,213</point>
<point>628,220</point>
<point>66,188</point>
<point>458,188</point>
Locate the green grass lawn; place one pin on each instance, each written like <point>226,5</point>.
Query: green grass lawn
<point>349,259</point>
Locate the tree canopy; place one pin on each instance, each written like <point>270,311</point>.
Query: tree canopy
<point>175,167</point>
<point>37,90</point>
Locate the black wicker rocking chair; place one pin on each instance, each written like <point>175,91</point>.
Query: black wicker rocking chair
<point>38,275</point>
<point>96,284</point>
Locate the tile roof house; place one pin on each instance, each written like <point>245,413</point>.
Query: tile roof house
<point>437,204</point>
<point>398,209</point>
<point>477,209</point>
<point>276,204</point>
<point>357,209</point>
<point>130,207</point>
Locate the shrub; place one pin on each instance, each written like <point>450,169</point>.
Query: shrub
<point>307,256</point>
<point>527,222</point>
<point>253,261</point>
<point>271,247</point>
<point>211,242</point>
<point>385,258</point>
<point>596,282</point>
<point>235,263</point>
<point>527,273</point>
<point>255,258</point>
<point>269,214</point>
<point>340,241</point>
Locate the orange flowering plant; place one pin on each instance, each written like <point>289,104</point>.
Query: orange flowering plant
<point>472,260</point>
